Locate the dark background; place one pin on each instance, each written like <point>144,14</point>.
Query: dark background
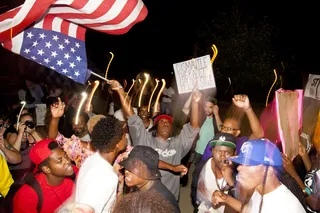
<point>170,34</point>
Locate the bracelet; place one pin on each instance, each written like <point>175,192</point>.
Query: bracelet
<point>307,192</point>
<point>248,108</point>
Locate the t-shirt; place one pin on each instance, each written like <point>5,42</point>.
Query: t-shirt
<point>5,177</point>
<point>26,199</point>
<point>205,135</point>
<point>97,184</point>
<point>278,201</point>
<point>170,151</point>
<point>164,191</point>
<point>207,184</point>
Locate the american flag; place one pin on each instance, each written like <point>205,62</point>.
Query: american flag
<point>65,20</point>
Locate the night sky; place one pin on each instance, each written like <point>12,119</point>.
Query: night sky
<point>169,33</point>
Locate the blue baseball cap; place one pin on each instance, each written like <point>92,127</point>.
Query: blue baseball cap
<point>258,151</point>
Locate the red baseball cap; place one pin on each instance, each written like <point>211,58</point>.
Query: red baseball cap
<point>40,151</point>
<point>163,116</point>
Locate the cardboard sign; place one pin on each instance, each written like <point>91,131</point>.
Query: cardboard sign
<point>289,116</point>
<point>312,89</point>
<point>189,72</point>
<point>41,110</point>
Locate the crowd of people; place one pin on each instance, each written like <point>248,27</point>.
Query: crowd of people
<point>131,159</point>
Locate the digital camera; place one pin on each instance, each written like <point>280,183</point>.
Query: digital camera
<point>29,124</point>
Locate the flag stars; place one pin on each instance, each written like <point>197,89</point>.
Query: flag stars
<point>64,71</point>
<point>54,54</point>
<point>29,35</point>
<point>55,37</point>
<point>52,67</point>
<point>40,52</point>
<point>42,36</point>
<point>66,41</point>
<point>61,47</point>
<point>33,57</point>
<point>72,50</point>
<point>77,45</point>
<point>35,43</point>
<point>59,62</point>
<point>76,73</point>
<point>26,50</point>
<point>48,44</point>
<point>78,58</point>
<point>72,65</point>
<point>67,56</point>
<point>46,60</point>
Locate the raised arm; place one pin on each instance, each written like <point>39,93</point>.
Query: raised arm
<point>57,110</point>
<point>217,116</point>
<point>127,108</point>
<point>242,101</point>
<point>196,97</point>
<point>12,155</point>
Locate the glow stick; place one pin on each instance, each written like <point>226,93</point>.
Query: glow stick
<point>23,104</point>
<point>275,80</point>
<point>146,75</point>
<point>109,65</point>
<point>159,94</point>
<point>133,82</point>
<point>95,86</point>
<point>215,53</point>
<point>157,82</point>
<point>84,97</point>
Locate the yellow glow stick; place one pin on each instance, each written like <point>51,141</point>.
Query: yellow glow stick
<point>215,53</point>
<point>84,97</point>
<point>133,82</point>
<point>109,65</point>
<point>275,80</point>
<point>23,105</point>
<point>146,75</point>
<point>157,82</point>
<point>159,94</point>
<point>95,86</point>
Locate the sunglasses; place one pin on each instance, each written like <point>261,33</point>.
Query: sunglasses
<point>228,129</point>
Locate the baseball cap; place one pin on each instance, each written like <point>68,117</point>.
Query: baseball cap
<point>163,116</point>
<point>40,152</point>
<point>143,162</point>
<point>258,151</point>
<point>223,139</point>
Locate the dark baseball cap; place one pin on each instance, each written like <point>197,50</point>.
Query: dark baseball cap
<point>143,162</point>
<point>223,139</point>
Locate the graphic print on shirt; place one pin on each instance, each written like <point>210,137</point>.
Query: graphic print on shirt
<point>166,153</point>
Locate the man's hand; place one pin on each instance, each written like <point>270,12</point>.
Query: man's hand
<point>115,85</point>
<point>180,169</point>
<point>302,150</point>
<point>241,101</point>
<point>57,109</point>
<point>215,110</point>
<point>227,174</point>
<point>288,166</point>
<point>218,198</point>
<point>21,128</point>
<point>196,96</point>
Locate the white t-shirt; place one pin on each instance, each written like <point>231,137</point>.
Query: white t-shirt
<point>278,201</point>
<point>120,115</point>
<point>206,186</point>
<point>97,184</point>
<point>168,92</point>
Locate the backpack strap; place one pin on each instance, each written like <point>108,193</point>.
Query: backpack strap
<point>33,183</point>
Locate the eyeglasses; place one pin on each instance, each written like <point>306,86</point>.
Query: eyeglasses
<point>226,128</point>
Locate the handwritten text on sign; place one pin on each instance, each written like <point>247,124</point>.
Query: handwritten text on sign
<point>312,89</point>
<point>189,72</point>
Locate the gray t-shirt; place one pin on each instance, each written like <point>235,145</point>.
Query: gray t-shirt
<point>170,151</point>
